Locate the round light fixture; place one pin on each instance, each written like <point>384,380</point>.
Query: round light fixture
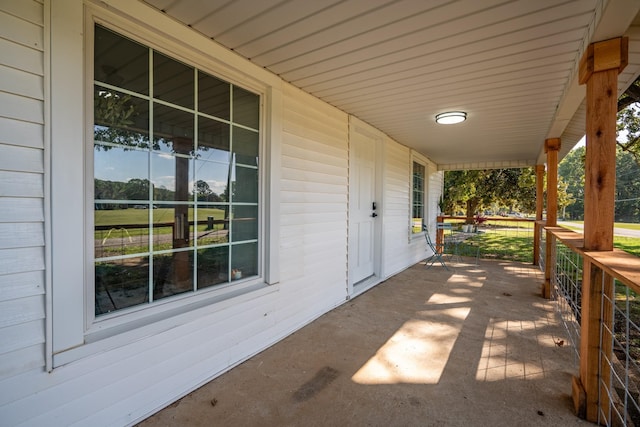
<point>451,117</point>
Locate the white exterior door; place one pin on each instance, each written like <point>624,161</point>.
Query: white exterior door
<point>363,209</point>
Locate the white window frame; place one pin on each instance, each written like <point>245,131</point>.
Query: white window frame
<point>417,158</point>
<point>72,332</point>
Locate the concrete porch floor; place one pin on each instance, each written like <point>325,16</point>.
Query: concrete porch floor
<point>473,346</point>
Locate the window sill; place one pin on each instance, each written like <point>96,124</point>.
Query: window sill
<point>101,338</point>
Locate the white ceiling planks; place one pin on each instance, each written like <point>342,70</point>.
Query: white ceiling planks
<point>397,63</point>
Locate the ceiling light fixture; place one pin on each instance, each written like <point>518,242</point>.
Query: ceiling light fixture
<point>451,117</point>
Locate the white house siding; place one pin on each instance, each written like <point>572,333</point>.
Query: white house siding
<point>396,209</point>
<point>313,209</point>
<point>436,186</point>
<point>400,250</point>
<point>122,384</point>
<point>22,263</point>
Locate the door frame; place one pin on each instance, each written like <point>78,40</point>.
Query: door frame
<point>377,139</point>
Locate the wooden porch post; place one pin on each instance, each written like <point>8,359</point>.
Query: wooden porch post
<point>599,70</point>
<point>539,209</point>
<point>551,147</point>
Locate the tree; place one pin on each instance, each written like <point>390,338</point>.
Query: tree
<point>475,190</point>
<point>627,204</point>
<point>629,120</point>
<point>137,189</point>
<point>571,172</point>
<point>203,192</point>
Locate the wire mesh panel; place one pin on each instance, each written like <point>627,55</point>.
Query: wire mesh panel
<point>507,238</point>
<point>566,283</point>
<point>619,355</point>
<point>542,250</point>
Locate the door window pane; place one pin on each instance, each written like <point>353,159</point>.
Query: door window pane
<point>120,62</point>
<point>246,108</point>
<point>173,81</point>
<point>245,146</point>
<point>245,185</point>
<point>213,225</point>
<point>244,223</point>
<point>121,229</point>
<point>213,266</point>
<point>213,140</point>
<point>172,130</point>
<point>171,177</point>
<point>129,181</point>
<point>244,260</point>
<point>214,96</point>
<point>121,283</point>
<point>173,226</point>
<point>120,118</point>
<point>172,274</point>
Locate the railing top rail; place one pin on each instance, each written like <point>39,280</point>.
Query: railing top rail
<point>617,263</point>
<point>487,218</point>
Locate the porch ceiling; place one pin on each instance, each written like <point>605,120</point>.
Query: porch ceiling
<point>510,64</point>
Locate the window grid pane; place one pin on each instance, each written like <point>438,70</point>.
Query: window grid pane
<point>176,183</point>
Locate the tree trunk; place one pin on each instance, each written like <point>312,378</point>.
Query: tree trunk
<point>472,204</point>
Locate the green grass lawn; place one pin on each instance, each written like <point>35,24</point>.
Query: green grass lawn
<point>118,217</point>
<point>627,244</point>
<point>625,225</point>
<point>517,244</point>
<point>141,216</point>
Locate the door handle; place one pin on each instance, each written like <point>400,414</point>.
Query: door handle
<point>374,215</point>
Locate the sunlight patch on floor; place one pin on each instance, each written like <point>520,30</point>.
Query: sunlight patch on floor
<point>418,352</point>
<point>465,280</point>
<point>503,358</point>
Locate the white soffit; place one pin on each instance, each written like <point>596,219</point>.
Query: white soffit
<point>395,64</point>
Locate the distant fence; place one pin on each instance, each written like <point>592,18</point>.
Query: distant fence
<point>493,237</point>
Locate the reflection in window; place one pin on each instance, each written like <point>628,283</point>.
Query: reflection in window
<point>175,184</point>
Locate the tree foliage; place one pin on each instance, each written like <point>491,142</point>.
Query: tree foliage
<point>476,190</point>
<point>627,193</point>
<point>629,120</point>
<point>473,191</point>
<point>571,171</point>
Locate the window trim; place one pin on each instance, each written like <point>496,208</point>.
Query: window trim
<point>73,333</point>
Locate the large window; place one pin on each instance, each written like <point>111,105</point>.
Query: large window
<point>176,177</point>
<point>417,198</point>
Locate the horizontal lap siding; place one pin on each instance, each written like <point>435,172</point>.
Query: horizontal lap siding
<point>178,358</point>
<point>22,239</point>
<point>397,177</point>
<point>313,212</point>
<point>436,182</point>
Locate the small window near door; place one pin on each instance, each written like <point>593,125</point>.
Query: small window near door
<point>417,198</point>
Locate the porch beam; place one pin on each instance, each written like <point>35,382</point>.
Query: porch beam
<point>551,147</point>
<point>599,69</point>
<point>539,209</point>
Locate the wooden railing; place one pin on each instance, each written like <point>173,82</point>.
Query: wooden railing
<point>606,390</point>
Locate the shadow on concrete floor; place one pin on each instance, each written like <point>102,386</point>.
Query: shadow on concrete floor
<point>473,346</point>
